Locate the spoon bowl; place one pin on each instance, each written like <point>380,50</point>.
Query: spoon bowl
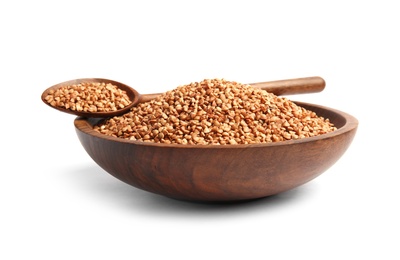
<point>132,94</point>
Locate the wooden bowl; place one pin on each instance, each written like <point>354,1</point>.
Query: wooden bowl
<point>223,172</point>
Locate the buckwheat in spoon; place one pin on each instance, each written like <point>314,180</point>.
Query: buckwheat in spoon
<point>102,98</point>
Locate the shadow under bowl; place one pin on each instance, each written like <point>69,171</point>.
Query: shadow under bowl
<point>219,172</point>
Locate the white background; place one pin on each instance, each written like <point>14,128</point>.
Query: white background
<point>56,203</point>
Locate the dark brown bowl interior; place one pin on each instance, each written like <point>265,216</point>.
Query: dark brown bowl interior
<point>219,173</point>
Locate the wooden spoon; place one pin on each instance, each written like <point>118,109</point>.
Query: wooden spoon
<point>279,87</point>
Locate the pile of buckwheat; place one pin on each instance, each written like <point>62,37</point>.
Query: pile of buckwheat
<point>217,112</point>
<point>89,97</point>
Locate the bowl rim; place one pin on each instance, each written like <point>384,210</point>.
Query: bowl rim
<point>82,124</point>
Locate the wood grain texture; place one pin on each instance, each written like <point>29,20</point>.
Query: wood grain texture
<point>219,173</point>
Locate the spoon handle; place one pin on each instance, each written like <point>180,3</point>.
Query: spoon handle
<point>148,97</point>
<point>292,86</point>
<point>278,87</point>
